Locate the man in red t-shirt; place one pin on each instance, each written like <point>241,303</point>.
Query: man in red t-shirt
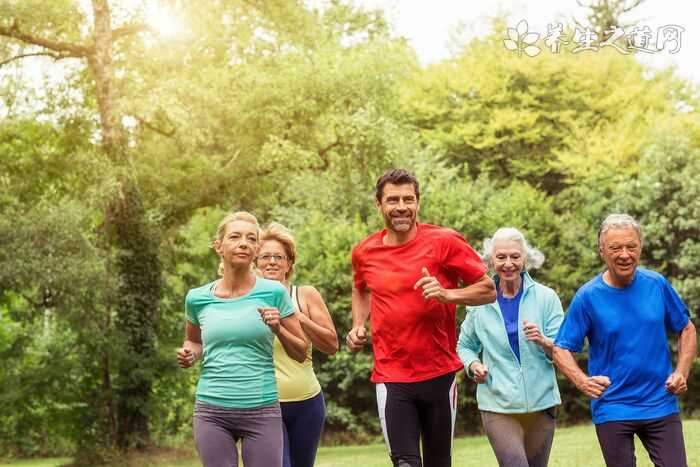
<point>406,279</point>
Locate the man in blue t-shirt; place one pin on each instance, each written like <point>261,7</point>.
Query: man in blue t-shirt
<point>625,313</point>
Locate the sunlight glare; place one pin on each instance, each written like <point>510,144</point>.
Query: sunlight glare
<point>164,21</point>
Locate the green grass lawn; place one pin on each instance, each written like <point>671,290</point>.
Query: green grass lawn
<point>573,447</point>
<point>49,462</point>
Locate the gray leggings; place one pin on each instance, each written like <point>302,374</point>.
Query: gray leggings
<point>520,440</point>
<point>216,430</point>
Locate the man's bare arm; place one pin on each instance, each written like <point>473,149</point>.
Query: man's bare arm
<point>687,349</point>
<point>357,337</point>
<point>677,382</point>
<point>480,292</point>
<point>592,386</point>
<point>477,293</point>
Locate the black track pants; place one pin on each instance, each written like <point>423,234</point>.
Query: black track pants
<point>423,411</point>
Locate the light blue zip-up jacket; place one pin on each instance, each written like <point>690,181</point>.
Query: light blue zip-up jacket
<point>513,387</point>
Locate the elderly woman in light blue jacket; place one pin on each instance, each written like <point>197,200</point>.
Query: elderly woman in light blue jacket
<point>506,347</point>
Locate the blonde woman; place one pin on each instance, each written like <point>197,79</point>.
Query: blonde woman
<point>301,398</point>
<point>231,324</point>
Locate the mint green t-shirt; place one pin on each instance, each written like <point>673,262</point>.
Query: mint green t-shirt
<point>237,369</point>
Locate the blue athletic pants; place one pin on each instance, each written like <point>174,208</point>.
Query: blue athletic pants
<point>303,425</point>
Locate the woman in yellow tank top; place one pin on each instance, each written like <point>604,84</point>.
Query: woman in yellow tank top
<point>300,395</point>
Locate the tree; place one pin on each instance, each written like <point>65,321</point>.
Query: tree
<point>276,108</point>
<point>51,307</point>
<point>665,197</point>
<point>605,15</point>
<point>137,267</point>
<point>552,120</point>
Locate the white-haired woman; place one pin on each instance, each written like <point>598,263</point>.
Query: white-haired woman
<point>506,347</point>
<point>231,323</point>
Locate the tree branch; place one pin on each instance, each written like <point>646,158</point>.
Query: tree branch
<point>129,30</point>
<point>634,4</point>
<point>167,133</point>
<point>75,50</point>
<point>55,56</point>
<point>32,302</point>
<point>232,159</point>
<point>65,49</point>
<point>323,153</point>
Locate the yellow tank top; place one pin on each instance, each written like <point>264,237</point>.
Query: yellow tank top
<point>295,381</point>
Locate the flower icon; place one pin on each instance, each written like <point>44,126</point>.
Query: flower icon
<point>521,40</point>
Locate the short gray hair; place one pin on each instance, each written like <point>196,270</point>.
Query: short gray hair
<point>619,221</point>
<point>533,257</point>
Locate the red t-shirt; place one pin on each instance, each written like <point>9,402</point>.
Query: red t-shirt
<point>413,339</point>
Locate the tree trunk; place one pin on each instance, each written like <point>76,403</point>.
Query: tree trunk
<point>138,268</point>
<point>100,62</point>
<point>139,274</point>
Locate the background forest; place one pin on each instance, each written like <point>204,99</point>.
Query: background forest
<point>114,176</point>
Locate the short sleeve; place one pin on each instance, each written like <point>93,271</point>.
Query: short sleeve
<point>460,257</point>
<point>554,316</point>
<point>358,279</point>
<point>284,304</point>
<point>575,327</point>
<point>676,314</point>
<point>191,311</point>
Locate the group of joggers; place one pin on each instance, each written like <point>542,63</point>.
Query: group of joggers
<point>254,330</point>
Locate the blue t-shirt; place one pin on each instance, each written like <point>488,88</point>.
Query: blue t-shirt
<point>626,331</point>
<point>509,310</point>
<point>237,367</point>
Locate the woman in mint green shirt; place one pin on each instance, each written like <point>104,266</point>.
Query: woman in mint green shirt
<point>506,347</point>
<point>231,323</point>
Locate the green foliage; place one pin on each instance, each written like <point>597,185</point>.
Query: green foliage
<point>666,198</point>
<point>56,156</point>
<point>59,18</point>
<point>48,365</point>
<point>51,238</point>
<point>138,269</point>
<point>50,310</point>
<point>272,119</point>
<point>550,120</point>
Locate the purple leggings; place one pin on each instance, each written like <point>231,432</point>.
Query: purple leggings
<point>216,430</point>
